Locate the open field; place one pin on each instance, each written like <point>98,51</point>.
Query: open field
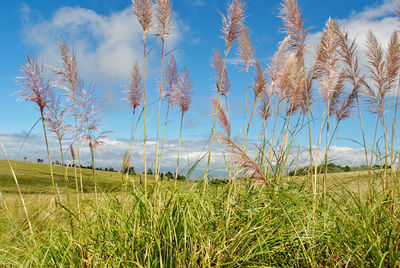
<point>178,227</point>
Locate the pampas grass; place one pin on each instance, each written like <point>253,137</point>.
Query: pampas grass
<point>134,92</point>
<point>34,88</point>
<point>143,10</point>
<point>164,26</point>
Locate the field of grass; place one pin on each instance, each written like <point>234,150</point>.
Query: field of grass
<point>323,215</point>
<point>244,225</point>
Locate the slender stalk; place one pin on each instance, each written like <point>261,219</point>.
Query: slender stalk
<point>392,157</point>
<point>130,145</point>
<point>48,154</point>
<point>93,171</point>
<point>144,112</point>
<point>326,150</point>
<point>163,139</point>
<point>245,104</point>
<point>179,151</point>
<point>62,160</point>
<point>315,171</point>
<point>157,171</point>
<point>77,141</point>
<point>248,125</point>
<point>227,116</point>
<point>19,189</point>
<point>369,165</point>
<point>287,151</point>
<point>215,121</point>
<point>76,177</point>
<point>267,168</point>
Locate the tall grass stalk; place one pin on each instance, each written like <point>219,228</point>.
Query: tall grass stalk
<point>231,26</point>
<point>164,23</point>
<point>34,88</point>
<point>183,99</point>
<point>133,98</point>
<point>179,151</point>
<point>68,73</point>
<point>75,176</point>
<point>18,188</point>
<point>143,10</point>
<point>48,153</point>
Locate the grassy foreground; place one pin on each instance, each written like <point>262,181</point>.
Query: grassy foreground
<point>245,225</point>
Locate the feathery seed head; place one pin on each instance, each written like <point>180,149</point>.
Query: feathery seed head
<point>143,10</point>
<point>56,115</point>
<point>68,72</point>
<point>163,19</point>
<point>33,86</point>
<point>244,162</point>
<point>376,67</point>
<point>246,49</point>
<point>232,22</point>
<point>327,62</point>
<point>134,89</point>
<point>222,118</point>
<point>294,25</point>
<point>392,60</point>
<point>170,81</point>
<point>183,94</point>
<point>219,72</point>
<point>260,82</point>
<point>90,115</point>
<point>264,105</point>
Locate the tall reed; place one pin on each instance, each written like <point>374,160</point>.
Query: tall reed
<point>55,118</point>
<point>143,10</point>
<point>170,86</point>
<point>164,26</point>
<point>34,88</point>
<point>68,80</point>
<point>134,91</point>
<point>246,52</point>
<point>90,113</point>
<point>183,97</point>
<point>18,188</point>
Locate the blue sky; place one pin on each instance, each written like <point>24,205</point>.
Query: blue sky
<point>107,39</point>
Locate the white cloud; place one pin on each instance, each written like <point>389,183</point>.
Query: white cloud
<point>106,45</point>
<point>191,151</point>
<point>379,19</point>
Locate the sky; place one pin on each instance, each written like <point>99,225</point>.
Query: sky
<point>107,39</point>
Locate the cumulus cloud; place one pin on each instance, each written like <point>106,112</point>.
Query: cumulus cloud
<point>380,19</point>
<point>193,151</point>
<point>106,45</point>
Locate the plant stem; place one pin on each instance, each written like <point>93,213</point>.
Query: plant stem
<point>130,145</point>
<point>159,110</point>
<point>19,189</point>
<point>179,150</point>
<point>163,139</point>
<point>214,123</point>
<point>144,112</point>
<point>93,172</point>
<point>268,165</point>
<point>248,125</point>
<point>48,155</point>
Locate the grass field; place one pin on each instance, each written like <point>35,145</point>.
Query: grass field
<point>246,225</point>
